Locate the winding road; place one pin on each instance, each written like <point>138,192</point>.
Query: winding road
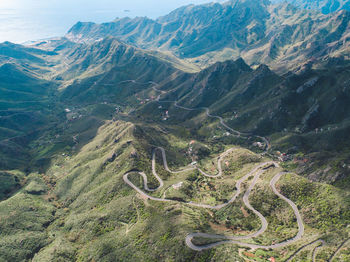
<point>207,111</point>
<point>314,252</point>
<point>255,172</point>
<point>222,122</point>
<point>235,239</point>
<point>338,250</point>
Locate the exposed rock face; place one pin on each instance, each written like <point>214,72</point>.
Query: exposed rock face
<point>281,35</point>
<point>326,6</point>
<point>307,85</point>
<point>312,112</point>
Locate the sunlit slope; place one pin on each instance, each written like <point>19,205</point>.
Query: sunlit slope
<point>282,36</point>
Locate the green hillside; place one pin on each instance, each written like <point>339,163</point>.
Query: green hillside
<point>218,132</point>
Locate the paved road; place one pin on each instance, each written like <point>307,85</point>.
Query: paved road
<point>220,158</point>
<point>338,250</point>
<point>235,240</point>
<point>314,253</point>
<point>256,172</point>
<point>207,111</point>
<point>320,243</point>
<point>222,122</point>
<point>165,164</point>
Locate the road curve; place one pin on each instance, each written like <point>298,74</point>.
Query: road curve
<point>207,110</point>
<point>165,164</point>
<point>290,258</point>
<point>314,252</point>
<point>235,240</point>
<point>222,122</point>
<point>256,172</point>
<point>338,250</point>
<point>220,158</point>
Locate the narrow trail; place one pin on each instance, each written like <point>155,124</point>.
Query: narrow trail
<point>291,257</point>
<point>320,243</point>
<point>338,250</point>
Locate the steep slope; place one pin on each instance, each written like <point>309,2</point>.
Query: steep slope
<point>293,110</point>
<point>187,30</point>
<point>300,39</point>
<point>34,61</point>
<point>281,36</point>
<point>81,209</point>
<point>326,6</point>
<point>255,101</point>
<point>26,106</point>
<point>19,52</point>
<point>90,140</point>
<point>88,81</point>
<point>111,71</point>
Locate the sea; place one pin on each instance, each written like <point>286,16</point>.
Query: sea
<point>20,27</point>
<point>30,20</point>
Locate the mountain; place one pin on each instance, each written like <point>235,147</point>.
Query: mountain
<point>25,107</point>
<point>218,132</point>
<point>38,83</point>
<point>281,36</point>
<point>19,52</point>
<point>262,102</point>
<point>102,71</point>
<point>326,6</point>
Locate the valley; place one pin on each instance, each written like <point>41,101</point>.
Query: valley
<point>218,132</point>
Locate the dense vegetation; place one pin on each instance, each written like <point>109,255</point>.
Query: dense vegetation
<point>76,116</point>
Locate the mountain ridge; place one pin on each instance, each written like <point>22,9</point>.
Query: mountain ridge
<point>114,149</point>
<point>278,35</point>
<point>326,6</point>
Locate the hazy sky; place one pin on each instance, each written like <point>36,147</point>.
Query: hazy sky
<point>23,20</point>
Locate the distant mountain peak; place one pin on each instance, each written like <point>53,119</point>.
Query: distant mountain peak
<point>278,35</point>
<point>228,66</point>
<point>325,6</point>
